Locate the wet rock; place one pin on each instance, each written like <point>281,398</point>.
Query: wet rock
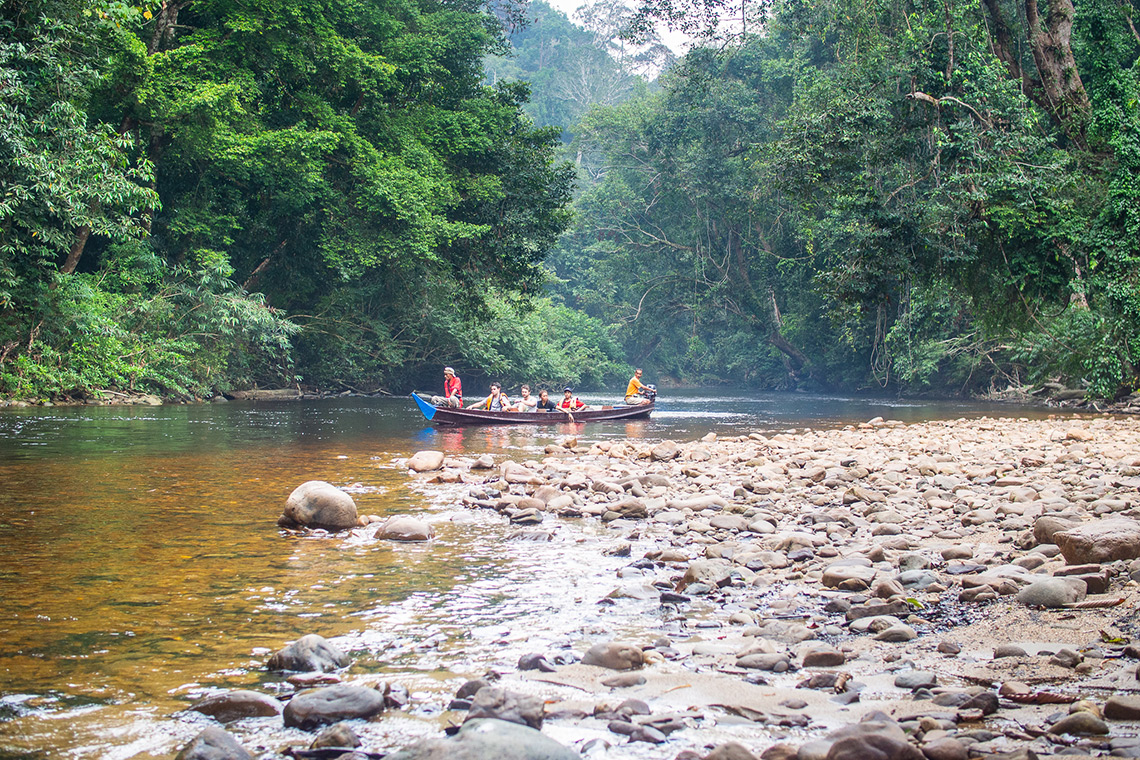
<point>425,461</point>
<point>614,655</point>
<point>238,704</point>
<point>1122,707</point>
<point>1052,592</point>
<point>1100,541</point>
<point>336,735</point>
<point>311,709</point>
<point>404,528</point>
<point>317,504</point>
<point>484,462</point>
<point>311,652</point>
<point>711,572</point>
<point>501,704</point>
<point>1079,723</point>
<point>213,744</point>
<point>471,688</point>
<point>488,738</point>
<point>535,662</point>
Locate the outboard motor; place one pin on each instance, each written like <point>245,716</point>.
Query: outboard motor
<point>650,392</point>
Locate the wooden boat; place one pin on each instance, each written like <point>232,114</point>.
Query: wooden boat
<point>450,415</point>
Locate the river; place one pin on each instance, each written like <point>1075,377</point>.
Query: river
<point>141,567</point>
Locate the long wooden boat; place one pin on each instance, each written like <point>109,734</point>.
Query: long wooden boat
<point>450,415</point>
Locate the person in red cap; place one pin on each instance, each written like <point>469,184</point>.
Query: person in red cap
<point>452,390</point>
<point>570,402</point>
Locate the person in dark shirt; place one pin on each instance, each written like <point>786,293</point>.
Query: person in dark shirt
<point>544,402</point>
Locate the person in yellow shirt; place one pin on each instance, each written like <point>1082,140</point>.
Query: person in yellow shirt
<point>635,392</point>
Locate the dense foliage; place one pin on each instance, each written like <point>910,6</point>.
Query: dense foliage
<point>200,194</point>
<point>934,196</point>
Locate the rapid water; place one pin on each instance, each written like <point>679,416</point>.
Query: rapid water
<point>141,567</point>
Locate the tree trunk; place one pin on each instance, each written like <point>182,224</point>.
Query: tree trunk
<point>76,251</point>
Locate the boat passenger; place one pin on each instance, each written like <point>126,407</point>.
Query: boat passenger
<point>452,390</point>
<point>636,393</point>
<point>570,402</point>
<point>544,402</point>
<point>527,403</point>
<point>496,402</point>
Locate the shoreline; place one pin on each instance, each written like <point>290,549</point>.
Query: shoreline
<point>820,577</point>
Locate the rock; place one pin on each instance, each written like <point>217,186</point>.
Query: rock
<point>535,662</point>
<point>871,740</point>
<point>309,653</point>
<point>1122,707</point>
<point>614,655</point>
<point>484,462</point>
<point>404,528</point>
<point>1066,658</point>
<point>425,461</point>
<point>213,744</point>
<point>238,704</point>
<point>488,738</point>
<point>338,735</point>
<point>1100,541</point>
<point>320,707</point>
<point>896,633</point>
<point>665,451</point>
<point>1052,592</point>
<point>824,658</point>
<point>711,572</point>
<point>501,704</point>
<point>985,701</point>
<point>1046,526</point>
<point>1079,723</point>
<point>624,680</point>
<point>916,679</point>
<point>852,574</point>
<point>1009,650</point>
<point>945,748</point>
<point>730,751</point>
<point>317,504</point>
<point>774,661</point>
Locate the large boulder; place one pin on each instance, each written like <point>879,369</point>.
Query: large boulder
<point>404,528</point>
<point>307,654</point>
<point>317,504</point>
<point>213,744</point>
<point>425,461</point>
<point>1100,541</point>
<point>322,707</point>
<point>511,706</point>
<point>488,738</point>
<point>238,704</point>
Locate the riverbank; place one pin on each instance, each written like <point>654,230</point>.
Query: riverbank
<point>950,579</point>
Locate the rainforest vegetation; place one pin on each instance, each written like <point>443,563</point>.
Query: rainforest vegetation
<point>928,197</point>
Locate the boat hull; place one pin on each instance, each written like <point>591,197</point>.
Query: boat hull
<point>446,415</point>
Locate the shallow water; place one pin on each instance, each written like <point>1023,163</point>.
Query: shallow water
<point>141,567</point>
